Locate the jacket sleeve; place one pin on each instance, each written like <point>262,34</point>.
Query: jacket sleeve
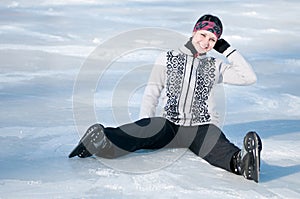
<point>154,88</point>
<point>238,71</point>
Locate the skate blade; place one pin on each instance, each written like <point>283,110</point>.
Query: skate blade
<point>76,150</point>
<point>251,146</point>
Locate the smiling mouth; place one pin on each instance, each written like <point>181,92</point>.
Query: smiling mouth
<point>203,47</point>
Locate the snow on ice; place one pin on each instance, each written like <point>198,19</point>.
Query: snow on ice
<point>42,49</point>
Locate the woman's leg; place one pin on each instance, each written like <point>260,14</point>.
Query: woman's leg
<point>147,133</point>
<point>211,144</point>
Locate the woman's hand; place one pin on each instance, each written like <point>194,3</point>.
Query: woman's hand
<point>221,45</point>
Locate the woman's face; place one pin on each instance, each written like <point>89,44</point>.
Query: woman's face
<point>204,41</point>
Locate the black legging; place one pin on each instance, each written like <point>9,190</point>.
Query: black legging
<point>206,141</point>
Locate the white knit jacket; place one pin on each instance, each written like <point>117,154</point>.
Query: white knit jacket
<point>186,85</point>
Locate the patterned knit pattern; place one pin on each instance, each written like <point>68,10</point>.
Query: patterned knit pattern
<point>204,81</point>
<point>175,75</point>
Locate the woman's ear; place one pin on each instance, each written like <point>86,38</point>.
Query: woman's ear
<point>194,32</point>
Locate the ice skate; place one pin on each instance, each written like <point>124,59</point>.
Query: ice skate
<point>90,142</point>
<point>250,156</point>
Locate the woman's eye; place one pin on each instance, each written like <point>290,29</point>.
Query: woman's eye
<point>203,35</point>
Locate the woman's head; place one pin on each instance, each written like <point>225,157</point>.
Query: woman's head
<point>207,31</point>
<point>210,23</point>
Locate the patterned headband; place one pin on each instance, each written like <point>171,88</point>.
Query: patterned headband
<point>209,26</point>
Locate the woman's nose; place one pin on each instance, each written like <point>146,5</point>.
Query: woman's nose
<point>205,42</point>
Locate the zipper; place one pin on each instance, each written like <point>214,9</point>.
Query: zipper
<point>188,88</point>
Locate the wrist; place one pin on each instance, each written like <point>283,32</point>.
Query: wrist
<point>229,51</point>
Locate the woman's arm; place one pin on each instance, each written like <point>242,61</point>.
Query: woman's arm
<point>154,87</point>
<point>238,71</point>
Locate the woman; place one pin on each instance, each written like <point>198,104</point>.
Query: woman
<point>186,79</point>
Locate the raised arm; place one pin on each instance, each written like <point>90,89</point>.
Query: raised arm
<point>238,71</point>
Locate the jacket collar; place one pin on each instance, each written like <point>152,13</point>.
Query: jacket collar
<point>190,50</point>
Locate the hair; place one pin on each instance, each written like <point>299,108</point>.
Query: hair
<point>211,18</point>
